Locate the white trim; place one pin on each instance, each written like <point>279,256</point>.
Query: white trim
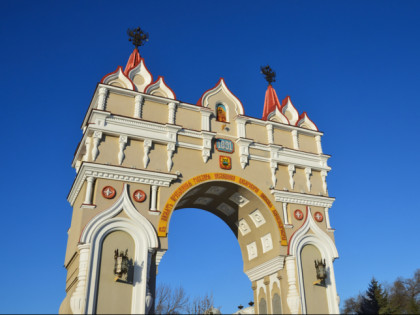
<point>328,252</point>
<point>120,77</point>
<point>140,70</point>
<point>266,268</point>
<point>160,85</point>
<point>117,173</point>
<point>289,107</point>
<point>145,239</point>
<point>302,199</point>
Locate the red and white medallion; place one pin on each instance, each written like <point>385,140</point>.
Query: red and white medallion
<point>108,192</point>
<point>139,195</point>
<point>298,214</point>
<point>318,216</point>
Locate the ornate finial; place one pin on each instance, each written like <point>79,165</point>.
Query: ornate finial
<point>137,36</point>
<point>270,75</point>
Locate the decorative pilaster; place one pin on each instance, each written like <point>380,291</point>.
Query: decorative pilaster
<point>205,118</point>
<point>138,106</point>
<point>308,174</point>
<point>292,170</point>
<point>285,216</point>
<point>153,199</point>
<point>273,166</point>
<point>324,180</point>
<point>102,98</point>
<point>171,149</point>
<point>327,218</point>
<point>318,144</point>
<point>240,127</point>
<point>88,145</point>
<point>147,145</point>
<point>171,113</point>
<point>292,294</point>
<point>270,134</point>
<point>243,150</point>
<point>123,143</point>
<point>78,298</point>
<point>97,136</point>
<point>90,180</point>
<point>295,140</point>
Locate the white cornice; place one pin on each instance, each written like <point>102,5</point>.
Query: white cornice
<point>265,269</point>
<point>302,199</point>
<point>117,173</point>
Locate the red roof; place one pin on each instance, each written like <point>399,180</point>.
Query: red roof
<point>270,103</point>
<point>133,61</point>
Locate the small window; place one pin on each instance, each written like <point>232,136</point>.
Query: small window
<point>221,112</point>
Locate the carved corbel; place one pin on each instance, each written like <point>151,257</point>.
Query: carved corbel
<point>97,136</point>
<point>292,294</point>
<point>308,173</point>
<point>273,166</point>
<point>102,98</point>
<point>171,149</point>
<point>123,143</point>
<point>243,151</point>
<point>206,150</point>
<point>171,113</point>
<point>292,170</point>
<point>138,106</point>
<point>147,145</point>
<point>88,143</point>
<point>324,180</point>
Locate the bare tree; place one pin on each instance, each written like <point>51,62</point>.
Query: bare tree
<point>170,301</point>
<point>176,301</point>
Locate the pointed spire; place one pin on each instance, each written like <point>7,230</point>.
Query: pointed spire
<point>133,61</point>
<point>271,102</point>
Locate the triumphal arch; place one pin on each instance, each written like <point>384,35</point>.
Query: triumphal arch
<point>144,154</point>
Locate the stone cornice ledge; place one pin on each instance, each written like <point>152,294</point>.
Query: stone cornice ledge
<point>117,173</point>
<point>302,199</point>
<point>265,269</point>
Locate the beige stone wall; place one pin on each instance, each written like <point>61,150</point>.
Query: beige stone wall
<point>120,104</point>
<point>283,138</point>
<point>157,112</point>
<point>188,118</point>
<point>307,143</point>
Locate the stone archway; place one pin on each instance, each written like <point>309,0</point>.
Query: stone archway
<point>142,146</point>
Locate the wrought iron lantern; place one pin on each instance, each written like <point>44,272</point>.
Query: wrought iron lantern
<point>121,263</point>
<point>321,272</point>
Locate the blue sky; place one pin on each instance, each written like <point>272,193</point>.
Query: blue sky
<point>353,66</point>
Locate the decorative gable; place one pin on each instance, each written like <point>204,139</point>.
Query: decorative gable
<point>118,78</point>
<point>159,88</point>
<point>305,122</point>
<point>140,76</point>
<point>224,103</point>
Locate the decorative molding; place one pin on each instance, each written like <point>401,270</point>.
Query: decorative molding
<point>324,180</point>
<point>295,139</point>
<point>103,91</point>
<point>138,106</point>
<point>89,190</point>
<point>252,250</point>
<point>243,227</point>
<point>302,199</point>
<point>171,113</point>
<point>206,113</point>
<point>240,126</point>
<point>285,215</point>
<point>142,71</point>
<point>266,243</point>
<point>206,148</point>
<point>147,145</point>
<point>119,77</point>
<point>123,143</point>
<point>288,108</point>
<point>78,298</point>
<point>270,134</point>
<point>153,199</point>
<point>117,173</point>
<point>265,269</point>
<point>292,170</point>
<point>305,122</point>
<point>273,167</point>
<point>160,84</point>
<point>318,144</point>
<point>257,217</point>
<point>292,294</point>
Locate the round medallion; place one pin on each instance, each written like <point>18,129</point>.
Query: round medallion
<point>139,195</point>
<point>318,216</point>
<point>298,214</point>
<point>108,192</point>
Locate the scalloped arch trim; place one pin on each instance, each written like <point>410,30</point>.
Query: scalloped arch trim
<point>289,110</point>
<point>118,78</point>
<point>160,88</point>
<point>221,86</point>
<point>140,76</point>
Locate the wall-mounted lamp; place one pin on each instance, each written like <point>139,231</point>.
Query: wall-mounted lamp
<point>121,263</point>
<point>321,273</point>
